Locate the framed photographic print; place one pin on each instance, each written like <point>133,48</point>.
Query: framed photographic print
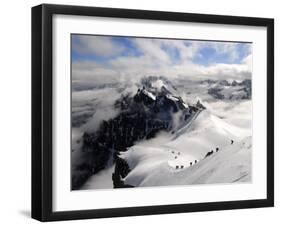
<point>145,112</point>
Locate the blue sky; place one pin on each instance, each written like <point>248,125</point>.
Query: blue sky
<point>110,58</point>
<point>209,52</point>
<point>210,55</point>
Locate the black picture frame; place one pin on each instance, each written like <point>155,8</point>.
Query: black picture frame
<point>42,107</point>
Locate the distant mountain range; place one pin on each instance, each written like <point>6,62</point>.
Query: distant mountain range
<point>229,90</point>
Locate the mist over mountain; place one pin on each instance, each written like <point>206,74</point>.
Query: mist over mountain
<point>118,127</point>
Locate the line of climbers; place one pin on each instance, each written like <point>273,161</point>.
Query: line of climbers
<point>208,154</point>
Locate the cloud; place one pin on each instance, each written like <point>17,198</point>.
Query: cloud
<point>228,49</point>
<point>103,101</point>
<point>224,71</point>
<point>98,45</point>
<point>164,50</point>
<point>152,49</point>
<point>248,60</point>
<point>88,74</point>
<point>171,58</point>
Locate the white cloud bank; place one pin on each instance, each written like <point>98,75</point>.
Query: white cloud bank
<point>155,59</point>
<point>99,45</point>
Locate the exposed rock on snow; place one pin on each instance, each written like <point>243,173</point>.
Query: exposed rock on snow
<point>141,116</point>
<point>156,138</point>
<point>155,166</point>
<point>153,163</point>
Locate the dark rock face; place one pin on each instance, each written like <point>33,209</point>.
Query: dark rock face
<point>247,83</point>
<point>141,116</point>
<point>215,92</point>
<point>224,83</point>
<point>121,170</point>
<point>208,81</point>
<point>200,105</point>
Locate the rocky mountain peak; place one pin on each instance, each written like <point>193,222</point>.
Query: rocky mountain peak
<point>142,115</point>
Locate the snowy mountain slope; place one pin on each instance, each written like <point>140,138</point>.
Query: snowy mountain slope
<point>151,133</point>
<point>160,160</point>
<point>238,113</point>
<point>157,167</point>
<point>204,134</point>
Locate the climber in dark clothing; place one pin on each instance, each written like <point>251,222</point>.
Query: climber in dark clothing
<point>217,149</point>
<point>232,141</point>
<point>191,163</point>
<point>195,161</point>
<point>209,153</point>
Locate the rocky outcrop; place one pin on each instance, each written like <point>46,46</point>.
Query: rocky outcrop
<point>122,169</point>
<point>141,117</point>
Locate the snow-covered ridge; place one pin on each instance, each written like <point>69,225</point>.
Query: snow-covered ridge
<point>172,162</point>
<point>160,135</point>
<point>158,84</point>
<point>179,158</point>
<point>171,97</point>
<point>158,167</point>
<point>149,94</point>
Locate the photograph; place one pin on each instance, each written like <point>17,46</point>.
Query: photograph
<point>150,111</point>
<point>144,112</point>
